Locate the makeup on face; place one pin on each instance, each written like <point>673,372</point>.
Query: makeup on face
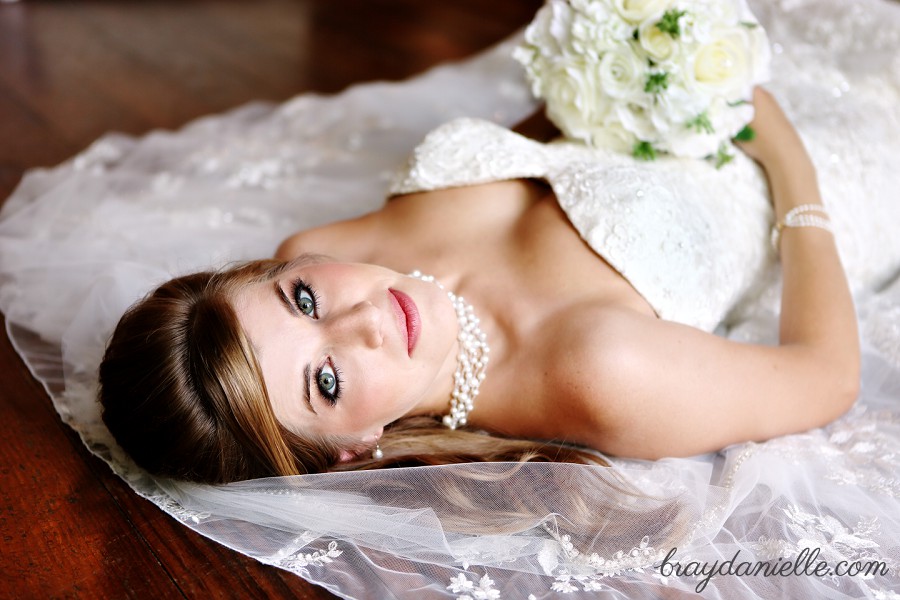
<point>352,347</point>
<point>407,314</point>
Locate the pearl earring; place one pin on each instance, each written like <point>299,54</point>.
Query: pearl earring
<point>377,454</point>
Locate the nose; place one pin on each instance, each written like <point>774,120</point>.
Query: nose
<point>361,322</point>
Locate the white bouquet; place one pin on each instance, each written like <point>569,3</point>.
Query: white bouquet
<point>647,76</point>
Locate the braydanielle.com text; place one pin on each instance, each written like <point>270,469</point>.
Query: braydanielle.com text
<point>806,563</point>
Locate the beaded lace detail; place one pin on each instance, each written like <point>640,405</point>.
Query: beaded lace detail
<point>690,245</point>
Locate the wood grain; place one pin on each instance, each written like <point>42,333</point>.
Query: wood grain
<point>71,71</point>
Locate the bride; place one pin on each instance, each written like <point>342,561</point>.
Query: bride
<point>642,316</point>
<point>314,362</point>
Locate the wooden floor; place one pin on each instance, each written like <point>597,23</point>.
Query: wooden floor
<point>73,70</point>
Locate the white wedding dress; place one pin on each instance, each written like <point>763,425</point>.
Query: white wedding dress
<point>82,241</point>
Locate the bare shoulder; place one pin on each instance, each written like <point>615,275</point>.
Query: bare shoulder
<point>649,388</point>
<point>348,240</point>
<point>429,222</point>
<point>593,357</point>
<point>620,386</point>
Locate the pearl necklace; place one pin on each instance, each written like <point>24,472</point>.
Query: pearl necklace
<point>471,361</point>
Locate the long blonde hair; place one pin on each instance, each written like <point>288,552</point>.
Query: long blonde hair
<point>183,394</point>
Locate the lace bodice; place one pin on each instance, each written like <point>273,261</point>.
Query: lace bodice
<point>693,240</point>
<point>689,238</point>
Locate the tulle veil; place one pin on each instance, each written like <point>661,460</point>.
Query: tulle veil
<point>82,241</point>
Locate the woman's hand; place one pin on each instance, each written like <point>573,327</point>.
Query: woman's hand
<point>769,125</point>
<point>776,144</point>
<point>779,150</point>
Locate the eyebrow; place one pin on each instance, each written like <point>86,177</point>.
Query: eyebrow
<point>284,299</point>
<point>306,388</point>
<point>306,371</point>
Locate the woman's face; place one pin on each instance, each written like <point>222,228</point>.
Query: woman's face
<point>346,349</point>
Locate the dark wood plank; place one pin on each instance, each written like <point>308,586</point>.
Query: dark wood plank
<point>61,533</point>
<point>72,70</point>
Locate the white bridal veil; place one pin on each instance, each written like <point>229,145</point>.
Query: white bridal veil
<point>82,241</point>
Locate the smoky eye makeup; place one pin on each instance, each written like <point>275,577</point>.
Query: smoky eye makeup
<point>328,381</point>
<point>305,298</point>
<point>328,377</point>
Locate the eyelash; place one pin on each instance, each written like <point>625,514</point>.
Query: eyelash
<point>338,383</point>
<point>298,286</point>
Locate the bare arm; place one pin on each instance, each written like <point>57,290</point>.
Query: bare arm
<point>817,311</point>
<point>816,307</point>
<point>688,391</point>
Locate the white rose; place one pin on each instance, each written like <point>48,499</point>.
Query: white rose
<point>723,66</point>
<point>614,136</point>
<point>729,120</point>
<point>671,109</point>
<point>597,27</point>
<point>695,142</point>
<point>723,12</point>
<point>593,35</point>
<point>658,44</point>
<point>637,11</point>
<point>550,30</point>
<point>535,67</point>
<point>760,56</point>
<point>726,122</point>
<point>622,73</point>
<point>689,143</point>
<point>575,100</point>
<point>695,28</point>
<point>637,120</point>
<point>587,38</point>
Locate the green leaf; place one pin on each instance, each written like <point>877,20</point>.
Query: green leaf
<point>738,103</point>
<point>669,22</point>
<point>656,82</point>
<point>644,151</point>
<point>746,134</point>
<point>700,123</point>
<point>723,157</point>
<point>749,24</point>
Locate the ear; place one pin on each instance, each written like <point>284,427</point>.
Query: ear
<point>370,440</point>
<point>373,437</point>
<point>346,456</point>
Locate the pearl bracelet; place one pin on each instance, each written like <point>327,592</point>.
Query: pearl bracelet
<point>804,215</point>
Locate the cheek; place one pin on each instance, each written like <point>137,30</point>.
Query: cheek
<point>383,395</point>
<point>365,392</point>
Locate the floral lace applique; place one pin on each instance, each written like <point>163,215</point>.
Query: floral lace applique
<point>833,541</point>
<point>870,455</point>
<point>293,558</point>
<point>482,589</point>
<point>857,450</point>
<point>318,558</point>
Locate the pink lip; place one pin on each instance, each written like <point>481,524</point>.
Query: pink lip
<point>407,317</point>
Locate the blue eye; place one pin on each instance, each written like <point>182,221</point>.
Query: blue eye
<point>329,381</point>
<point>305,299</point>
